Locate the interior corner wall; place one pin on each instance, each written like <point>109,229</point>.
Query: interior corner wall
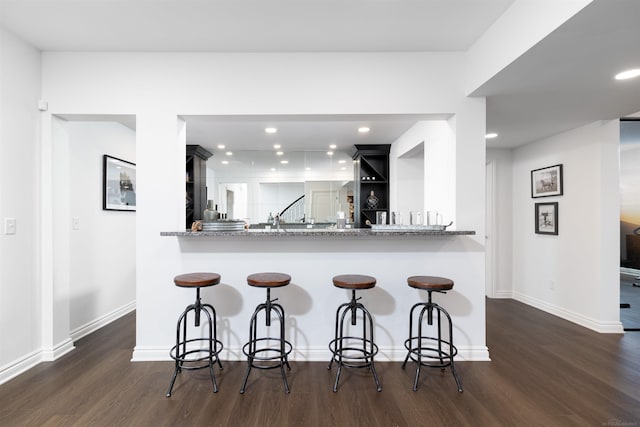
<point>502,221</point>
<point>103,244</point>
<point>20,332</point>
<point>574,275</point>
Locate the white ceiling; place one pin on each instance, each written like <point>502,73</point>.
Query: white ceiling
<point>562,82</point>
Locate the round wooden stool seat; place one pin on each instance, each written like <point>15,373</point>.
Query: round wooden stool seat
<point>268,280</point>
<point>197,280</point>
<point>354,281</point>
<point>430,283</point>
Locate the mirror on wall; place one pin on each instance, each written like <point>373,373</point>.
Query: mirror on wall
<point>262,163</point>
<point>300,186</point>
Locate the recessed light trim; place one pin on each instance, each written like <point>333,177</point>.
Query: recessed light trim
<point>333,146</point>
<point>342,161</point>
<point>491,135</point>
<point>279,153</point>
<point>229,153</point>
<point>221,146</point>
<point>277,146</point>
<point>270,129</point>
<point>628,74</point>
<point>225,162</point>
<point>284,162</point>
<point>363,129</point>
<point>330,153</point>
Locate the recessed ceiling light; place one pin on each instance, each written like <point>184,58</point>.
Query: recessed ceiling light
<point>342,161</point>
<point>279,153</point>
<point>363,129</point>
<point>284,162</point>
<point>629,74</point>
<point>330,153</point>
<point>229,153</point>
<point>307,168</point>
<point>225,162</point>
<point>221,146</point>
<point>273,169</point>
<point>333,146</point>
<point>343,169</point>
<point>277,146</point>
<point>491,135</point>
<point>270,130</point>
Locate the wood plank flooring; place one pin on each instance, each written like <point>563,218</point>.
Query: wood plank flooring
<point>544,372</point>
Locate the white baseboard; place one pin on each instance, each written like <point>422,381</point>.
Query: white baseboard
<point>98,323</point>
<point>595,325</point>
<point>503,295</point>
<point>385,354</point>
<point>52,353</point>
<point>19,366</point>
<point>23,364</point>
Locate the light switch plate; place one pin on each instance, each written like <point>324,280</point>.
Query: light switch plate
<point>75,223</point>
<point>9,226</point>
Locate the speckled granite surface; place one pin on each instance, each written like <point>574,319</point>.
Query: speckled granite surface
<point>355,233</point>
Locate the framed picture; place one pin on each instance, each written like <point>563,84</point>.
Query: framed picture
<point>547,218</point>
<point>546,182</point>
<point>118,184</point>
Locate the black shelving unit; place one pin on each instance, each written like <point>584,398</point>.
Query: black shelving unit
<point>371,174</point>
<point>196,182</point>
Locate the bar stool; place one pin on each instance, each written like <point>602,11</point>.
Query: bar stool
<point>262,356</point>
<point>187,355</point>
<point>430,351</point>
<point>353,351</point>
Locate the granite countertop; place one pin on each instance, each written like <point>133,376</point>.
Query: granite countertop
<point>318,232</point>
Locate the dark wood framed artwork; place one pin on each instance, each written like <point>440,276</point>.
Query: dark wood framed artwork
<point>546,182</point>
<point>118,184</point>
<point>546,217</point>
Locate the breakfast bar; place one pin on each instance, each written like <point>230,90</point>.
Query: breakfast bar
<point>312,257</point>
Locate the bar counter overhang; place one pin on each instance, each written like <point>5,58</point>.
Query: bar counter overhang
<point>312,258</point>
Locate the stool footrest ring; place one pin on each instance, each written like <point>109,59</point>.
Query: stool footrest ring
<point>279,353</point>
<point>437,357</point>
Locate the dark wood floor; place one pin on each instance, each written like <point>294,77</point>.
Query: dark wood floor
<point>544,372</point>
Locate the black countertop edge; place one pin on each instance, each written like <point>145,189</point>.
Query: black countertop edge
<point>356,232</point>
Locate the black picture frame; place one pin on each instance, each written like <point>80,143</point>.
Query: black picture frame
<point>118,184</point>
<point>546,218</point>
<point>547,182</point>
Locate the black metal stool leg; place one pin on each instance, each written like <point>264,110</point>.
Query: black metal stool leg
<point>417,345</point>
<point>368,349</point>
<point>180,352</point>
<point>250,349</point>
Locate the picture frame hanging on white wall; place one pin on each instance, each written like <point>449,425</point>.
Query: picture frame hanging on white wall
<point>546,182</point>
<point>546,217</point>
<point>118,184</point>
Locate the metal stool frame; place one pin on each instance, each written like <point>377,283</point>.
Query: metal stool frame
<point>341,353</point>
<point>251,350</point>
<point>418,348</point>
<point>182,356</point>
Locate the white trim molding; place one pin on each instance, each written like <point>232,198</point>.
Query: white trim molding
<point>595,325</point>
<point>385,354</point>
<point>98,323</point>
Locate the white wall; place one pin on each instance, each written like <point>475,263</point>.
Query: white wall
<point>103,248</point>
<point>574,275</point>
<point>159,87</point>
<point>20,296</point>
<point>438,140</point>
<point>502,223</point>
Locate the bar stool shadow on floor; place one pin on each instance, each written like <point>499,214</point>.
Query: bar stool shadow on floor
<point>430,351</point>
<point>351,351</point>
<point>187,354</point>
<point>267,352</point>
